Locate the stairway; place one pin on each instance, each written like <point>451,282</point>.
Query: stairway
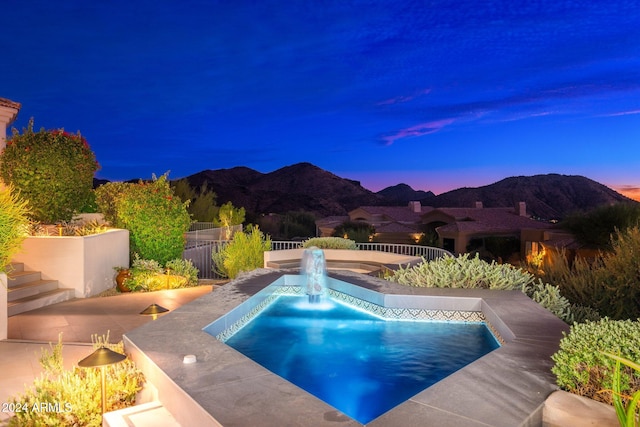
<point>28,291</point>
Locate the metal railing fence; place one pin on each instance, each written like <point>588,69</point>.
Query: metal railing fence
<point>200,252</point>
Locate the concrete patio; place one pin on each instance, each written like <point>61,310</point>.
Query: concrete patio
<point>31,332</point>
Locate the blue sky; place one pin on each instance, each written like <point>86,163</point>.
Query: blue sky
<point>435,94</point>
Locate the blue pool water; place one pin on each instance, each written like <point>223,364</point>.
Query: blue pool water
<point>356,362</point>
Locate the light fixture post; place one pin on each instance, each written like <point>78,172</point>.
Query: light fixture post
<point>100,359</point>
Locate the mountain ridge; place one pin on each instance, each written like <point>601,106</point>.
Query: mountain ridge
<point>304,186</point>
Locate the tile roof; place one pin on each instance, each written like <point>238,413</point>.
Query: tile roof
<point>396,227</point>
<point>4,102</point>
<point>489,220</point>
<point>396,213</point>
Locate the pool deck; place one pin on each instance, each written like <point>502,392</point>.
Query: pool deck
<point>507,387</point>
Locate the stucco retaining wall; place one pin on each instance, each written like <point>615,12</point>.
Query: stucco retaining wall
<point>84,263</point>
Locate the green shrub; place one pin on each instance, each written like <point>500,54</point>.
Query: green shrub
<point>581,367</point>
<point>157,220</point>
<point>145,275</point>
<point>52,169</point>
<point>184,268</point>
<point>13,224</point>
<point>244,253</point>
<point>330,243</point>
<point>76,392</point>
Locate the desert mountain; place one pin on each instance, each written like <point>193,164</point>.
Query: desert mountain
<point>550,196</point>
<point>402,194</point>
<point>304,186</point>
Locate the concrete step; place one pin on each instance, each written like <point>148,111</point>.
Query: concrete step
<point>145,414</point>
<point>15,266</point>
<point>39,300</point>
<point>19,278</point>
<point>31,288</point>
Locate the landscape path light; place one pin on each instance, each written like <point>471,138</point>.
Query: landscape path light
<point>99,359</point>
<point>153,310</point>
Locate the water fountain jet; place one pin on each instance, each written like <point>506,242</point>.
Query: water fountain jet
<point>313,268</point>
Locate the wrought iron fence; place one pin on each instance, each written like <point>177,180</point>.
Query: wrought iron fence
<point>200,251</point>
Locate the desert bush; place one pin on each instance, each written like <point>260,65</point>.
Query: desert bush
<point>463,272</point>
<point>76,393</point>
<point>581,367</point>
<point>550,298</point>
<point>330,243</point>
<point>582,313</point>
<point>14,224</point>
<point>52,169</point>
<point>621,275</point>
<point>244,253</point>
<point>157,220</point>
<point>610,284</point>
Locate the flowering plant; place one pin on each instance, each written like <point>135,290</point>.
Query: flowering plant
<point>52,169</point>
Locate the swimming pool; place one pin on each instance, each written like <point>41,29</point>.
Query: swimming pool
<point>504,388</point>
<point>358,362</point>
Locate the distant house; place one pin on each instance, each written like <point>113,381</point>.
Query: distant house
<point>456,228</point>
<point>393,224</point>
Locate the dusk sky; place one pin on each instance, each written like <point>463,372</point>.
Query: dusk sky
<point>435,94</point>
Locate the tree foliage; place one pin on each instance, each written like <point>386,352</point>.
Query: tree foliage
<point>107,196</point>
<point>202,206</point>
<point>298,224</point>
<point>13,224</point>
<point>228,216</point>
<point>360,232</point>
<point>596,228</point>
<point>52,169</point>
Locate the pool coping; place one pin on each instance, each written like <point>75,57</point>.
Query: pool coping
<point>506,387</point>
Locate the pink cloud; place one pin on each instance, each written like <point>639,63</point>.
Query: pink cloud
<point>417,130</point>
<point>401,99</point>
<point>631,191</point>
